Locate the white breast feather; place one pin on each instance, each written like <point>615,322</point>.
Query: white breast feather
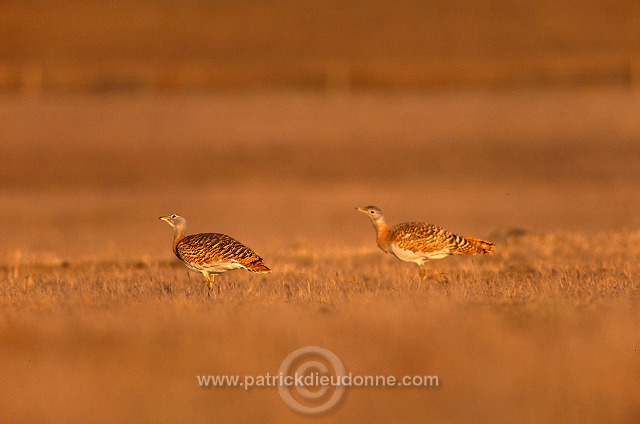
<point>216,267</point>
<point>417,257</point>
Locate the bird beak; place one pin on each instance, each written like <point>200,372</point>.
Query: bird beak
<point>164,218</point>
<point>359,209</point>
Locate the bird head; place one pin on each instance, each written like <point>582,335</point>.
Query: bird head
<point>372,212</point>
<point>176,221</point>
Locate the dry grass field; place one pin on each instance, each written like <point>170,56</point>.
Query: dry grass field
<point>100,323</point>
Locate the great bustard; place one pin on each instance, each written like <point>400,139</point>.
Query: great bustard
<point>211,253</point>
<point>418,242</point>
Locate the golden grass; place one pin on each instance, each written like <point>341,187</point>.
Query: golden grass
<point>546,330</point>
<point>528,268</point>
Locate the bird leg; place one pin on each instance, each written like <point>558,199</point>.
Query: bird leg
<point>210,282</point>
<point>426,274</point>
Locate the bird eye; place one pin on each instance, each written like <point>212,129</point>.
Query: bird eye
<point>174,216</point>
<point>372,212</point>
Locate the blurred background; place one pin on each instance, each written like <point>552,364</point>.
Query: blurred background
<point>245,115</point>
<point>166,46</point>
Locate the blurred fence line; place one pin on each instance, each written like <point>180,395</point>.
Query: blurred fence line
<point>34,78</point>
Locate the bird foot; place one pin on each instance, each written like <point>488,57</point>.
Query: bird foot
<point>442,278</point>
<point>434,277</point>
<point>211,292</point>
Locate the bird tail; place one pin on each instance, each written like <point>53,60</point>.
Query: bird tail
<point>479,246</point>
<point>258,267</point>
